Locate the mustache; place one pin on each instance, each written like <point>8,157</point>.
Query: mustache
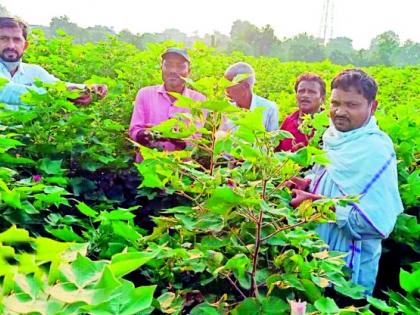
<point>341,117</point>
<point>10,50</point>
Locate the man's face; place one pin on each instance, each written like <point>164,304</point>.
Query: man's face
<point>309,97</point>
<point>174,68</point>
<point>350,109</point>
<point>12,44</point>
<point>239,92</point>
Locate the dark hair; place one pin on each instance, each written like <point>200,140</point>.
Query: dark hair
<point>10,22</point>
<point>311,77</point>
<point>358,79</point>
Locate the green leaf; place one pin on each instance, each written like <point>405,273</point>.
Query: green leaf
<point>86,210</point>
<point>312,292</point>
<point>59,180</point>
<point>141,299</point>
<point>120,214</point>
<point>125,299</point>
<point>204,309</point>
<point>7,143</point>
<point>410,281</point>
<point>381,305</point>
<point>274,305</point>
<point>150,177</point>
<point>48,249</point>
<point>125,230</point>
<point>240,264</point>
<point>11,198</point>
<point>3,82</point>
<point>222,200</point>
<point>85,270</point>
<point>249,306</point>
<point>7,158</point>
<point>219,106</point>
<point>124,263</point>
<point>65,233</point>
<point>50,167</point>
<point>7,173</point>
<point>107,280</point>
<point>326,305</point>
<point>352,290</point>
<point>302,156</point>
<point>174,128</point>
<point>14,235</point>
<point>252,120</point>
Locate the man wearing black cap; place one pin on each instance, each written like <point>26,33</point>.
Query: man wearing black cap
<point>154,105</point>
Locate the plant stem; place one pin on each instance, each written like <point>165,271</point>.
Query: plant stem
<point>254,285</point>
<point>182,194</point>
<point>235,286</point>
<point>213,142</point>
<point>287,227</point>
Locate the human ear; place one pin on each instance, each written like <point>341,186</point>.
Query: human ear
<point>374,105</point>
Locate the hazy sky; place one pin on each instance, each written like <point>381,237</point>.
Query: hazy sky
<point>360,20</point>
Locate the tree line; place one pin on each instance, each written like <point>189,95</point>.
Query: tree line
<point>385,49</point>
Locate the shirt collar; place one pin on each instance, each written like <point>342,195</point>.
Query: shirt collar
<point>20,69</point>
<point>161,89</point>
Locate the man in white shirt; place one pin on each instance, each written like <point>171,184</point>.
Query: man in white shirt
<point>21,76</point>
<point>242,95</point>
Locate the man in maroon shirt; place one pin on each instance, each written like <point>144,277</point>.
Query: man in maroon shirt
<point>310,95</point>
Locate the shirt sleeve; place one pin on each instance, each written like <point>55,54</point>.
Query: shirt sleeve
<point>138,120</point>
<point>11,92</point>
<point>273,121</point>
<point>47,77</point>
<point>44,75</point>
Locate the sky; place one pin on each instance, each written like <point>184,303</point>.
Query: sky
<point>361,20</point>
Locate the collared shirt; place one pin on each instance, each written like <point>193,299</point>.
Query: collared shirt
<point>153,106</point>
<point>23,81</point>
<point>291,124</point>
<point>270,114</point>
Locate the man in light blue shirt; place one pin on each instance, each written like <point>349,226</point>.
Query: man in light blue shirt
<point>362,163</point>
<point>22,76</point>
<point>242,95</point>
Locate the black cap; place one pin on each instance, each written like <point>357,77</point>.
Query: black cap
<point>182,52</point>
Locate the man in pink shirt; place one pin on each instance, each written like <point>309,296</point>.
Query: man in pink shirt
<point>310,95</point>
<point>154,105</point>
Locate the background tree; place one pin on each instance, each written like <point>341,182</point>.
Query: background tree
<point>304,47</point>
<point>340,50</point>
<point>252,40</point>
<point>384,46</point>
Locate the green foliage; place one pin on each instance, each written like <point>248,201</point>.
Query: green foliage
<point>399,303</point>
<point>233,245</point>
<point>56,278</point>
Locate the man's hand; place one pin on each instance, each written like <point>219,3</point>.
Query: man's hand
<point>101,90</point>
<point>87,95</point>
<point>179,144</point>
<point>84,99</point>
<point>298,183</point>
<point>146,137</point>
<point>300,196</point>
